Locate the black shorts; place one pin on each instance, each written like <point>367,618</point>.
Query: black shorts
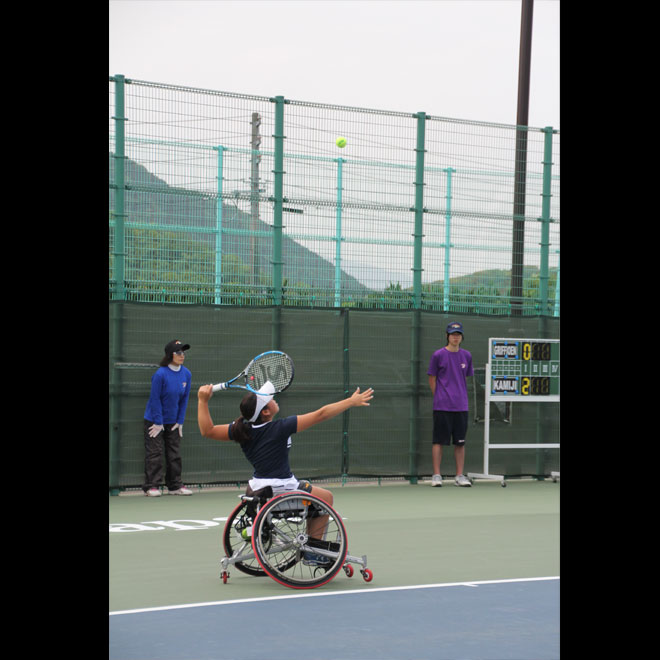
<point>449,426</point>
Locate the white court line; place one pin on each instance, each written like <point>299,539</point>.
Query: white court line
<point>473,583</point>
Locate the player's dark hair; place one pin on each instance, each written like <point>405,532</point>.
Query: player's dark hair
<point>240,430</point>
<point>166,360</point>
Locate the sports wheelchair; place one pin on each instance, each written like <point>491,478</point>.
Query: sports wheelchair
<point>266,535</point>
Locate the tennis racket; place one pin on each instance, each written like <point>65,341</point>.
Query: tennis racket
<point>273,366</point>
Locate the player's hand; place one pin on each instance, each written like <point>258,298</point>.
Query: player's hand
<point>154,430</point>
<point>205,392</point>
<point>362,398</point>
<point>178,426</point>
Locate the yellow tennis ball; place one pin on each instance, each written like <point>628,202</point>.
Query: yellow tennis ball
<point>340,142</point>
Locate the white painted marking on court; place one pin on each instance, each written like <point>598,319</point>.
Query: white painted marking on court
<point>332,593</point>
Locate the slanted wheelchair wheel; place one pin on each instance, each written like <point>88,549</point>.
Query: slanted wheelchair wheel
<point>286,537</point>
<point>237,540</point>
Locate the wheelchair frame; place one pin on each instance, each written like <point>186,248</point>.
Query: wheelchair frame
<point>266,535</point>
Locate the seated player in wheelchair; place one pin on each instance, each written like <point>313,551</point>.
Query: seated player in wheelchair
<point>266,441</point>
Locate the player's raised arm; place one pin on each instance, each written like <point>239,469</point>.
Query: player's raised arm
<point>333,409</point>
<point>206,426</point>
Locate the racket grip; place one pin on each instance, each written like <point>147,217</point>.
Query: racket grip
<point>218,387</point>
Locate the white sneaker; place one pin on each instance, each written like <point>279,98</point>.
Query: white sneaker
<point>181,491</point>
<point>436,480</point>
<point>462,480</point>
<point>153,492</point>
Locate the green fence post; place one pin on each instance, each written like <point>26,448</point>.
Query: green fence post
<point>120,190</point>
<point>347,380</point>
<point>417,295</point>
<point>340,162</point>
<point>120,289</point>
<point>446,285</point>
<point>278,189</point>
<point>543,281</point>
<point>218,236</point>
<point>545,219</point>
<point>419,210</point>
<point>278,200</point>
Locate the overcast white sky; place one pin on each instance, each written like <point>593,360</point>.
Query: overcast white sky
<point>448,58</point>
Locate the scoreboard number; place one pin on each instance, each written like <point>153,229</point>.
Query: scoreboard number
<point>536,351</point>
<point>535,386</point>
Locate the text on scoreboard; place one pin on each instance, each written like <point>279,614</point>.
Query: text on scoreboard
<point>524,367</point>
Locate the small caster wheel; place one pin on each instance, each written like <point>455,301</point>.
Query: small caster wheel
<point>348,569</point>
<point>224,575</point>
<point>504,484</point>
<point>367,575</point>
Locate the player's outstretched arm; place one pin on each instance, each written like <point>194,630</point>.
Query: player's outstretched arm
<point>331,410</point>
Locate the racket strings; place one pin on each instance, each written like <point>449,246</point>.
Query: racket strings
<point>278,369</point>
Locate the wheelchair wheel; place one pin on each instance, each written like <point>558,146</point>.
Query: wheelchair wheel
<point>237,540</point>
<point>284,547</point>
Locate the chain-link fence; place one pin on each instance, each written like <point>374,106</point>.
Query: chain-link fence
<point>220,198</point>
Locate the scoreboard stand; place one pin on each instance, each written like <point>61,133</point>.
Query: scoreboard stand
<point>521,370</point>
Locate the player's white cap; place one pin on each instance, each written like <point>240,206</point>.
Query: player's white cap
<point>268,390</point>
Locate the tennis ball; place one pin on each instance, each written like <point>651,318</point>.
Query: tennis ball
<point>340,142</point>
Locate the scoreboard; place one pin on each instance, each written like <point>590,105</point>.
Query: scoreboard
<point>523,369</point>
<point>519,370</point>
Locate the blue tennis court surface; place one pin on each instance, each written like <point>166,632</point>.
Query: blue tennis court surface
<point>490,620</point>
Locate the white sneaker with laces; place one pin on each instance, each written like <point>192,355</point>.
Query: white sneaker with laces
<point>462,480</point>
<point>436,480</point>
<point>181,491</point>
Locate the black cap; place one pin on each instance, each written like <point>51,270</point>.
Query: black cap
<point>175,345</point>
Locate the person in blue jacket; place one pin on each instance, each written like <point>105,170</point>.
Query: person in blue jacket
<point>163,422</point>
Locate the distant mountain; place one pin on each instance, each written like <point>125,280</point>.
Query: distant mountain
<point>150,200</point>
<point>496,281</point>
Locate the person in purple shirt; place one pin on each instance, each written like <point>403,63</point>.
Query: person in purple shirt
<point>448,370</point>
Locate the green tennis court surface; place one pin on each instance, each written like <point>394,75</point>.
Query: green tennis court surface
<point>166,551</point>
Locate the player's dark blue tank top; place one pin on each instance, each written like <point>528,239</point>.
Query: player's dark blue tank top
<point>268,448</point>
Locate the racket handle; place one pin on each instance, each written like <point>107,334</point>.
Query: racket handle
<point>218,387</point>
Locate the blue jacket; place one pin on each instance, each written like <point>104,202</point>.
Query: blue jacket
<point>169,396</point>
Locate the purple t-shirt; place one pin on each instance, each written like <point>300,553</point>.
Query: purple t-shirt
<point>451,370</point>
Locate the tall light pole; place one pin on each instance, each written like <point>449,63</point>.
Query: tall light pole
<point>520,177</point>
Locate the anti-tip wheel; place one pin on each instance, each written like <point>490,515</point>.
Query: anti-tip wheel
<point>367,575</point>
